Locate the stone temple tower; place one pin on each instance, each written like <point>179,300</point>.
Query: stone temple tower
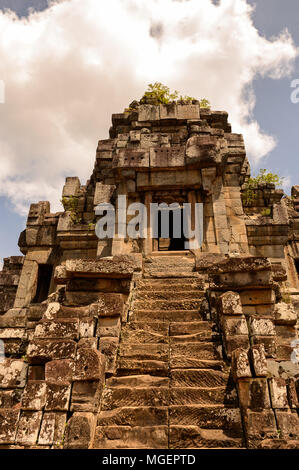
<point>129,342</point>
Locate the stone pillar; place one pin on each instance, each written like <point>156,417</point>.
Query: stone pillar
<point>148,242</point>
<point>214,185</point>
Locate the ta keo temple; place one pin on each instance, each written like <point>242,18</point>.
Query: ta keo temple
<point>141,343</point>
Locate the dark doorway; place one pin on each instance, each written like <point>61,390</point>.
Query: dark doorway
<point>172,243</point>
<point>43,282</point>
<point>296,261</point>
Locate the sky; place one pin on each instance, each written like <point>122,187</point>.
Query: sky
<point>67,66</point>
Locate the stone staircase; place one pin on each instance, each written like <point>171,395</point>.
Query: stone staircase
<point>172,388</point>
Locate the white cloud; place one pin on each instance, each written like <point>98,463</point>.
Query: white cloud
<point>66,70</point>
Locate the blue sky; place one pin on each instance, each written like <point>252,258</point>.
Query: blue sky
<point>273,111</point>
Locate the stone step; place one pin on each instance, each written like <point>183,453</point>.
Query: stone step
<point>138,381</point>
<point>196,350</point>
<point>156,327</point>
<point>169,295</point>
<point>207,417</point>
<point>144,351</point>
<point>190,328</point>
<point>141,337</point>
<point>203,395</point>
<point>166,315</point>
<point>131,396</point>
<point>193,437</point>
<point>168,304</point>
<point>186,284</point>
<point>115,397</point>
<point>134,366</point>
<point>134,416</point>
<point>179,362</point>
<point>168,260</point>
<point>195,338</point>
<point>198,378</point>
<point>127,437</point>
<point>169,274</point>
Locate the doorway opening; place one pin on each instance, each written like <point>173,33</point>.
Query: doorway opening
<point>45,272</point>
<point>172,243</point>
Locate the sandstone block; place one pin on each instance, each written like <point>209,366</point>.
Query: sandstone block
<point>258,360</point>
<point>261,327</point>
<point>147,112</point>
<point>60,371</point>
<point>253,394</point>
<point>285,314</point>
<point>57,329</point>
<point>232,342</point>
<point>28,427</point>
<point>79,431</point>
<point>288,424</point>
<point>234,325</point>
<point>89,365</point>
<point>34,397</point>
<point>13,373</point>
<point>108,326</point>
<point>122,266</point>
<point>8,425</point>
<point>40,351</point>
<point>230,304</point>
<point>57,397</point>
<point>278,392</point>
<point>103,193</point>
<point>108,305</point>
<point>269,343</point>
<point>240,364</point>
<point>260,424</point>
<point>52,429</point>
<point>86,395</point>
<point>108,347</point>
<point>86,328</point>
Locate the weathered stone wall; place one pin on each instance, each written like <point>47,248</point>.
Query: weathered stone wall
<point>9,280</point>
